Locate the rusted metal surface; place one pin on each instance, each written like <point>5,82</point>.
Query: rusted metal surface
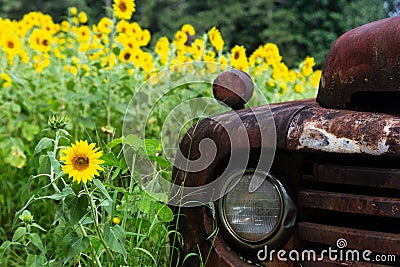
<point>361,176</point>
<point>283,114</point>
<point>302,126</point>
<point>190,223</point>
<point>234,88</point>
<point>366,58</point>
<point>342,131</point>
<point>377,242</point>
<point>221,254</point>
<point>350,203</point>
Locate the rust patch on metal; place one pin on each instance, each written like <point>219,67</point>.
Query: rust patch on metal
<point>342,131</point>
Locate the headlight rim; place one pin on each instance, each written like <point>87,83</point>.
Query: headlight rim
<point>287,217</point>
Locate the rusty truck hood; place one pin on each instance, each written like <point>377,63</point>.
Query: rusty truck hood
<point>306,126</point>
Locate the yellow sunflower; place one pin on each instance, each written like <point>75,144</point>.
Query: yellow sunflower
<point>124,8</point>
<point>5,79</point>
<point>83,17</point>
<point>238,58</point>
<point>11,43</point>
<point>82,161</point>
<point>216,39</point>
<point>126,55</point>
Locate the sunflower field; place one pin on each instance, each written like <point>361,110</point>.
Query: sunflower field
<point>67,196</point>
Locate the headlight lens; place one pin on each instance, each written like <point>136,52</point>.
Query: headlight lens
<point>252,216</point>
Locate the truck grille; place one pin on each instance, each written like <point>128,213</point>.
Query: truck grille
<point>358,204</point>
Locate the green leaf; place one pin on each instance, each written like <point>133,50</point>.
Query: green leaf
<point>165,213</point>
<point>88,123</point>
<point>19,233</point>
<point>54,162</point>
<point>38,226</point>
<point>35,239</point>
<point>133,141</point>
<point>12,150</point>
<point>44,164</point>
<point>76,247</point>
<point>110,160</point>
<point>160,161</point>
<point>35,260</point>
<point>152,146</point>
<point>43,144</point>
<point>4,246</point>
<point>29,131</point>
<point>77,207</point>
<point>144,205</point>
<point>60,195</point>
<point>102,188</point>
<point>115,239</point>
<point>145,251</point>
<point>116,172</point>
<point>114,143</point>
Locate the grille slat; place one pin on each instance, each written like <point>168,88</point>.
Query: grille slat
<point>386,243</point>
<point>362,176</point>
<point>359,203</point>
<point>350,203</point>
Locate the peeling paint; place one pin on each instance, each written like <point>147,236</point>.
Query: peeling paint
<point>319,139</point>
<point>343,131</point>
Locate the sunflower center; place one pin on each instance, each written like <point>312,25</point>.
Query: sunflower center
<point>80,163</point>
<point>122,7</point>
<point>127,56</point>
<point>45,42</point>
<point>10,44</point>
<point>236,55</point>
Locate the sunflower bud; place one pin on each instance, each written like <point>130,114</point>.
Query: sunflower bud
<point>57,122</point>
<point>26,217</point>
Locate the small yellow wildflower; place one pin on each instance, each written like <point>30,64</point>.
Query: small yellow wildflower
<point>298,88</point>
<point>73,11</point>
<point>116,220</point>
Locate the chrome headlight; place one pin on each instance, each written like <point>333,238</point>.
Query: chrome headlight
<point>260,216</point>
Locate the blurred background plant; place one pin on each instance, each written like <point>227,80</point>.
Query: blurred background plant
<point>86,64</point>
<point>299,28</point>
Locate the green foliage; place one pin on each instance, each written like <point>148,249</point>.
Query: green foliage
<point>104,221</point>
<point>300,28</point>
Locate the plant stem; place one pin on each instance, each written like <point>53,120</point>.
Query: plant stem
<point>96,224</point>
<point>56,140</point>
<point>94,255</point>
